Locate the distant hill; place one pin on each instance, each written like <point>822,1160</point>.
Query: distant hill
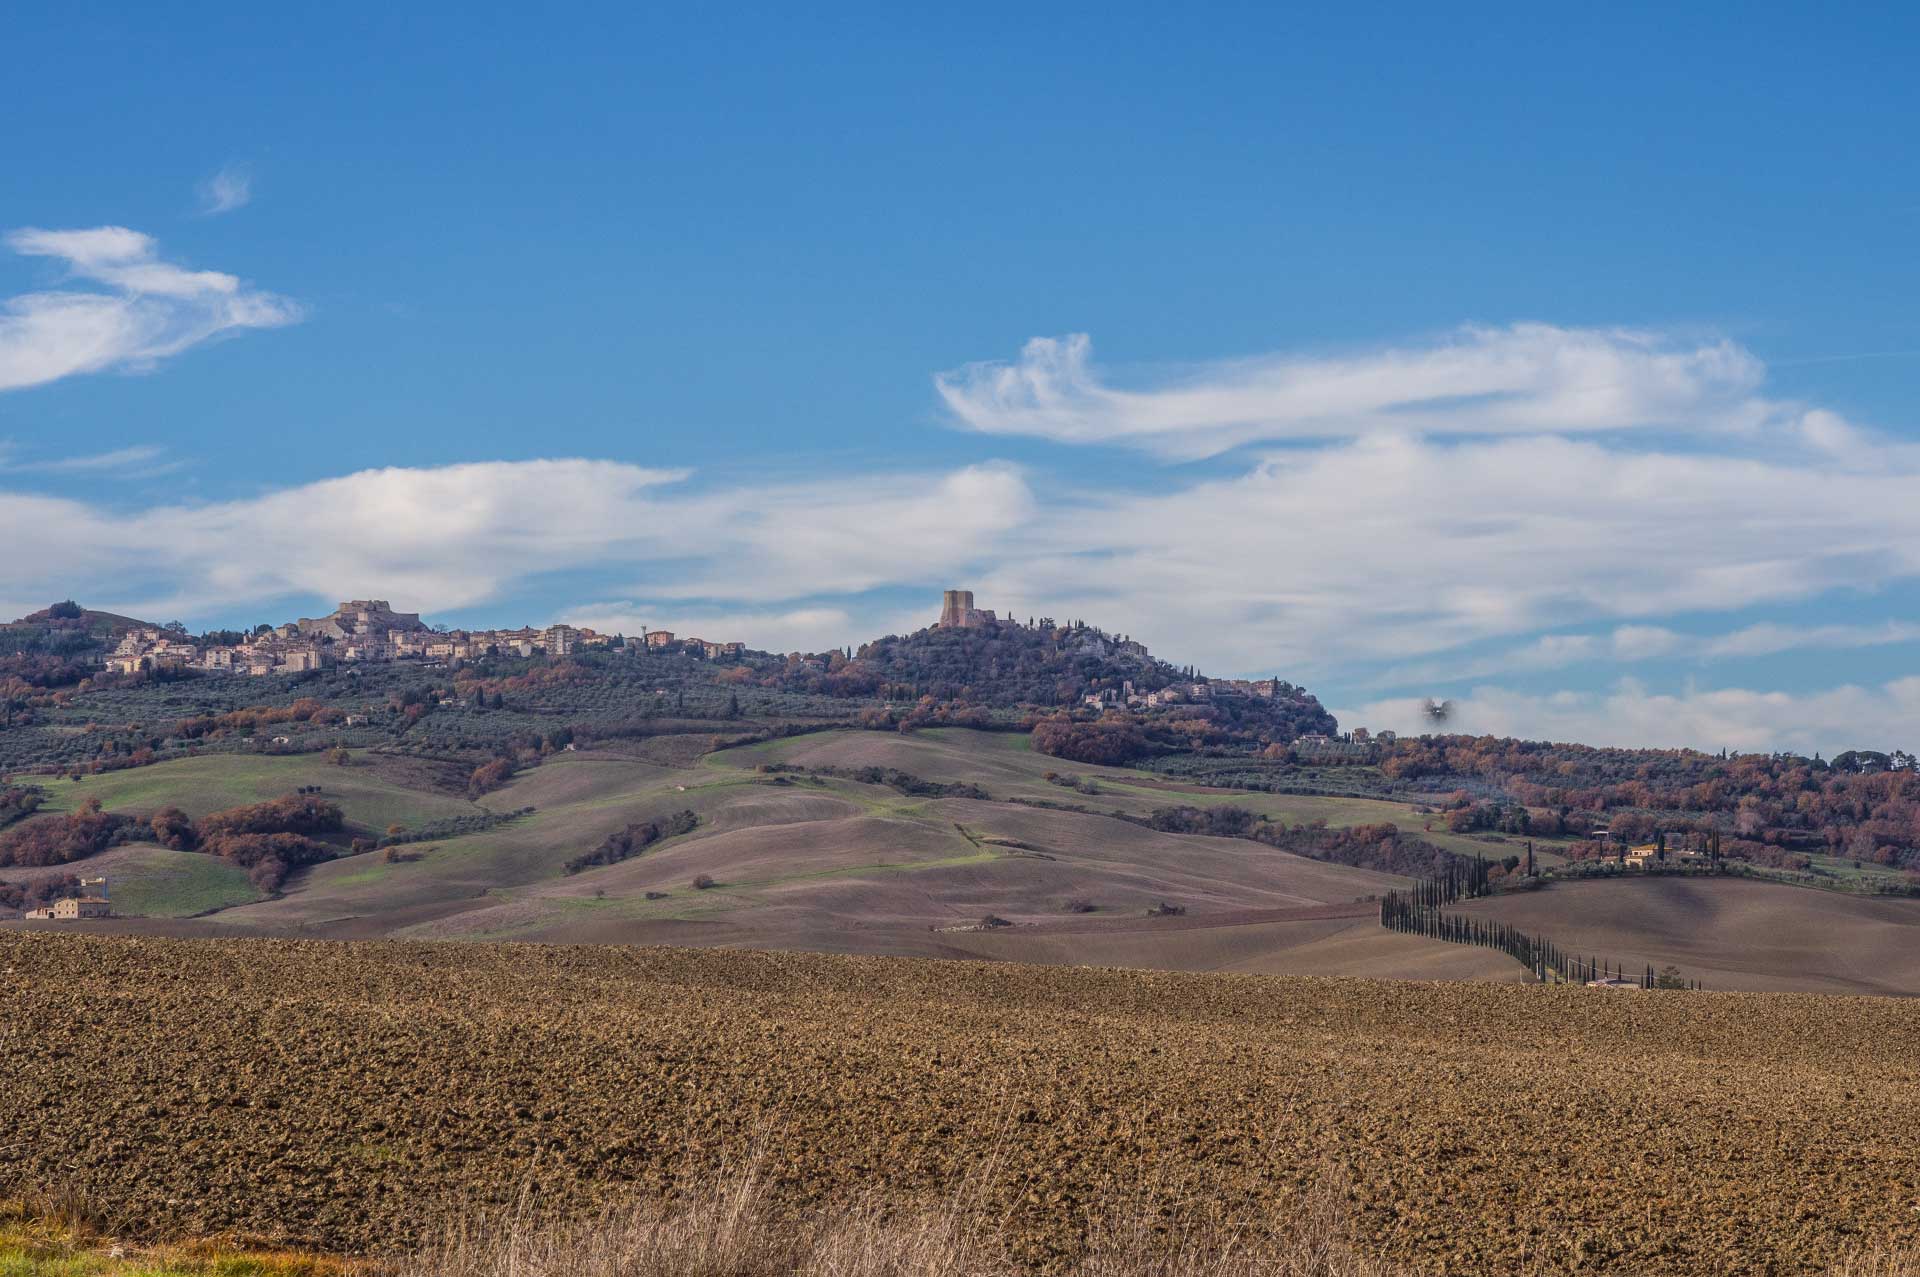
<point>59,644</point>
<point>1003,663</point>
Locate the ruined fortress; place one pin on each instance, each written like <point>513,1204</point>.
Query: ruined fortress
<point>361,618</point>
<point>958,612</point>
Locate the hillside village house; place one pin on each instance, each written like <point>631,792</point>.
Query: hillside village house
<point>366,631</point>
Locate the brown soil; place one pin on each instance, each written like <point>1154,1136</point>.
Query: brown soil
<point>353,1096</point>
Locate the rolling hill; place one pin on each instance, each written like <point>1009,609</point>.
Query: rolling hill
<point>946,842</point>
<point>1730,933</point>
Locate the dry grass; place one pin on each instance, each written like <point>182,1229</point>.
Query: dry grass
<point>1880,1261</point>
<point>734,1229</point>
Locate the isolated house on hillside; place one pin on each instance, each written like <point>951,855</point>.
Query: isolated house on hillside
<point>73,910</point>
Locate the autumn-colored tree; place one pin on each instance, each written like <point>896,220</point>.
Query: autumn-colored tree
<point>172,828</point>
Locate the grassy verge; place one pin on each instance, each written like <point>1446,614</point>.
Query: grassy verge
<point>733,1228</point>
<point>55,1234</point>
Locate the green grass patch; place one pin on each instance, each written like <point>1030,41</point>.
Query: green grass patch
<point>158,883</point>
<point>213,782</point>
<point>1865,873</point>
<point>33,1248</point>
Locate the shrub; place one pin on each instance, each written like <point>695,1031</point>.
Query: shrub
<point>448,827</point>
<point>1078,906</point>
<point>703,882</point>
<point>249,850</point>
<point>633,840</point>
<point>489,776</point>
<point>172,828</point>
<point>293,814</point>
<point>59,840</point>
<point>906,782</point>
<point>1109,742</point>
<point>267,874</point>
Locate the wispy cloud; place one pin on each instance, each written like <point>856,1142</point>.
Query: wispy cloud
<point>1523,379</point>
<point>230,188</point>
<point>1628,644</point>
<point>1767,639</point>
<point>138,461</point>
<point>1849,716</point>
<point>146,311</point>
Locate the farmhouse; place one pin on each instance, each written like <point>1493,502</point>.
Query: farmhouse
<point>1654,855</point>
<point>73,910</point>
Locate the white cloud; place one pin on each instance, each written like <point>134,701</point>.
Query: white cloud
<point>1390,548</point>
<point>804,629</point>
<point>850,535</point>
<point>461,535</point>
<point>1523,379</point>
<point>1741,719</point>
<point>1644,642</point>
<point>1387,550</point>
<point>230,188</point>
<point>1377,548</point>
<point>149,309</point>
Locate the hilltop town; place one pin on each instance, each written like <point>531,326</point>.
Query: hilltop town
<point>370,631</point>
<point>969,654</point>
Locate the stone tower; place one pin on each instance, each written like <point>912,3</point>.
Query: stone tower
<point>955,605</point>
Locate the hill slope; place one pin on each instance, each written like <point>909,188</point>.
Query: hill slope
<point>884,843</point>
<point>59,645</point>
<point>1730,933</point>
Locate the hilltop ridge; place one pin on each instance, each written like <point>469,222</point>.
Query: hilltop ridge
<point>59,644</point>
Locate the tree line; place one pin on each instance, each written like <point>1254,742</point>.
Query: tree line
<point>1420,910</point>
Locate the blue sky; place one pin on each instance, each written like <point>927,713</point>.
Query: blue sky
<point>1557,364</point>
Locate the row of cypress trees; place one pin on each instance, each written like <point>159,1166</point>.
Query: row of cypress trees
<point>1418,911</point>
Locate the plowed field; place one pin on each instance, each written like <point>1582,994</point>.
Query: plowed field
<point>351,1096</point>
